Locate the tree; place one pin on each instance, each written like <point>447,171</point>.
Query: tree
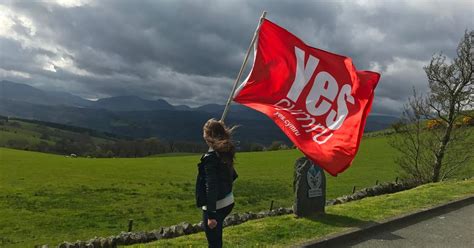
<point>436,153</point>
<point>277,145</point>
<point>412,141</point>
<point>18,143</point>
<point>256,147</point>
<point>44,136</point>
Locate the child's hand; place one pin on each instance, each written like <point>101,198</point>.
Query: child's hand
<point>211,223</point>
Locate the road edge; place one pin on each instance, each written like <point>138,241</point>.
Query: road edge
<point>358,233</point>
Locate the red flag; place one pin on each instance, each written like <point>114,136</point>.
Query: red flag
<point>318,98</point>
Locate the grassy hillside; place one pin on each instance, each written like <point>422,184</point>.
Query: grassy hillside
<point>17,132</point>
<point>33,135</point>
<point>48,198</point>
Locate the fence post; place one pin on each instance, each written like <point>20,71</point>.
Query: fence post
<point>377,182</point>
<point>130,225</point>
<point>271,206</point>
<point>354,189</point>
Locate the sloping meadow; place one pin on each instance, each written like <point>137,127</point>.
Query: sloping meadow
<point>47,199</point>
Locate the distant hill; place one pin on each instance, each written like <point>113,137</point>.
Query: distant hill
<point>140,118</point>
<point>33,135</point>
<point>131,103</point>
<point>211,108</point>
<point>164,124</point>
<point>50,137</point>
<point>22,92</point>
<point>73,129</point>
<point>379,122</point>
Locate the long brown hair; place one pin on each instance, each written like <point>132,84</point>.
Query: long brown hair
<point>219,137</point>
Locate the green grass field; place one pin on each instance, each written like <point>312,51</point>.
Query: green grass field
<point>286,230</point>
<point>47,199</point>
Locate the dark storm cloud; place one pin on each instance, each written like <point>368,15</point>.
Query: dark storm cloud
<point>190,51</point>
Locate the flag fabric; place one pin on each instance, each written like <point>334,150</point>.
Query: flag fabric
<point>317,98</point>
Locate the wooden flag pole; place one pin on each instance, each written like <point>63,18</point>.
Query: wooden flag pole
<point>227,105</point>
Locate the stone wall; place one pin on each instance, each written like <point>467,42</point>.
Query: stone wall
<point>128,238</point>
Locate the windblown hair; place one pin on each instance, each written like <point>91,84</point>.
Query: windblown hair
<point>219,138</point>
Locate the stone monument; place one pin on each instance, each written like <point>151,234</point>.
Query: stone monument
<point>309,186</point>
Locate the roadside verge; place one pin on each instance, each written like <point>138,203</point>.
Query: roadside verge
<point>370,229</point>
<point>286,230</point>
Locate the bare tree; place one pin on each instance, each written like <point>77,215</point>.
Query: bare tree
<point>414,159</point>
<point>438,152</point>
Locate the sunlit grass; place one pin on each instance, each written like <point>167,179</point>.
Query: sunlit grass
<point>283,231</point>
<point>48,198</point>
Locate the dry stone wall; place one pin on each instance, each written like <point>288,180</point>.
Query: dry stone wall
<point>184,228</point>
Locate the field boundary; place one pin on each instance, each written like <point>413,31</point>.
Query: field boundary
<point>355,234</point>
<point>184,228</point>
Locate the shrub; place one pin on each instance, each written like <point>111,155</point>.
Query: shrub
<point>468,121</point>
<point>433,124</point>
<point>277,145</point>
<point>255,147</point>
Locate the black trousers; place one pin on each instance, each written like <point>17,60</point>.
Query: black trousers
<point>214,236</point>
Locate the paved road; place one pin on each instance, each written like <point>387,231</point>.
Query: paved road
<point>452,229</point>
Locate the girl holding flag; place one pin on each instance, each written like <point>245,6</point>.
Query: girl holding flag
<point>215,178</point>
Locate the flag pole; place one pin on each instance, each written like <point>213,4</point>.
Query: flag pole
<point>229,100</point>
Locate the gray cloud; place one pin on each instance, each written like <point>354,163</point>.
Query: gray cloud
<point>188,52</point>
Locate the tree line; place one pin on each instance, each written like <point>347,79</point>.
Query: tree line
<point>84,144</point>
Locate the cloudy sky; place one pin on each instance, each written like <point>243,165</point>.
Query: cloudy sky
<point>189,52</point>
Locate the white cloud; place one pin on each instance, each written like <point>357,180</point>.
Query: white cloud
<point>72,3</point>
<point>375,66</point>
<point>10,20</point>
<point>12,73</point>
<point>67,64</point>
<point>407,66</point>
<point>6,20</point>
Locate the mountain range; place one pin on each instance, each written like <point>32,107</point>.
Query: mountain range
<point>135,117</point>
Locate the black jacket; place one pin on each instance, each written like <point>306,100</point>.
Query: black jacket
<point>214,181</point>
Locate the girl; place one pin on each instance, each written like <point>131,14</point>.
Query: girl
<point>216,175</point>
